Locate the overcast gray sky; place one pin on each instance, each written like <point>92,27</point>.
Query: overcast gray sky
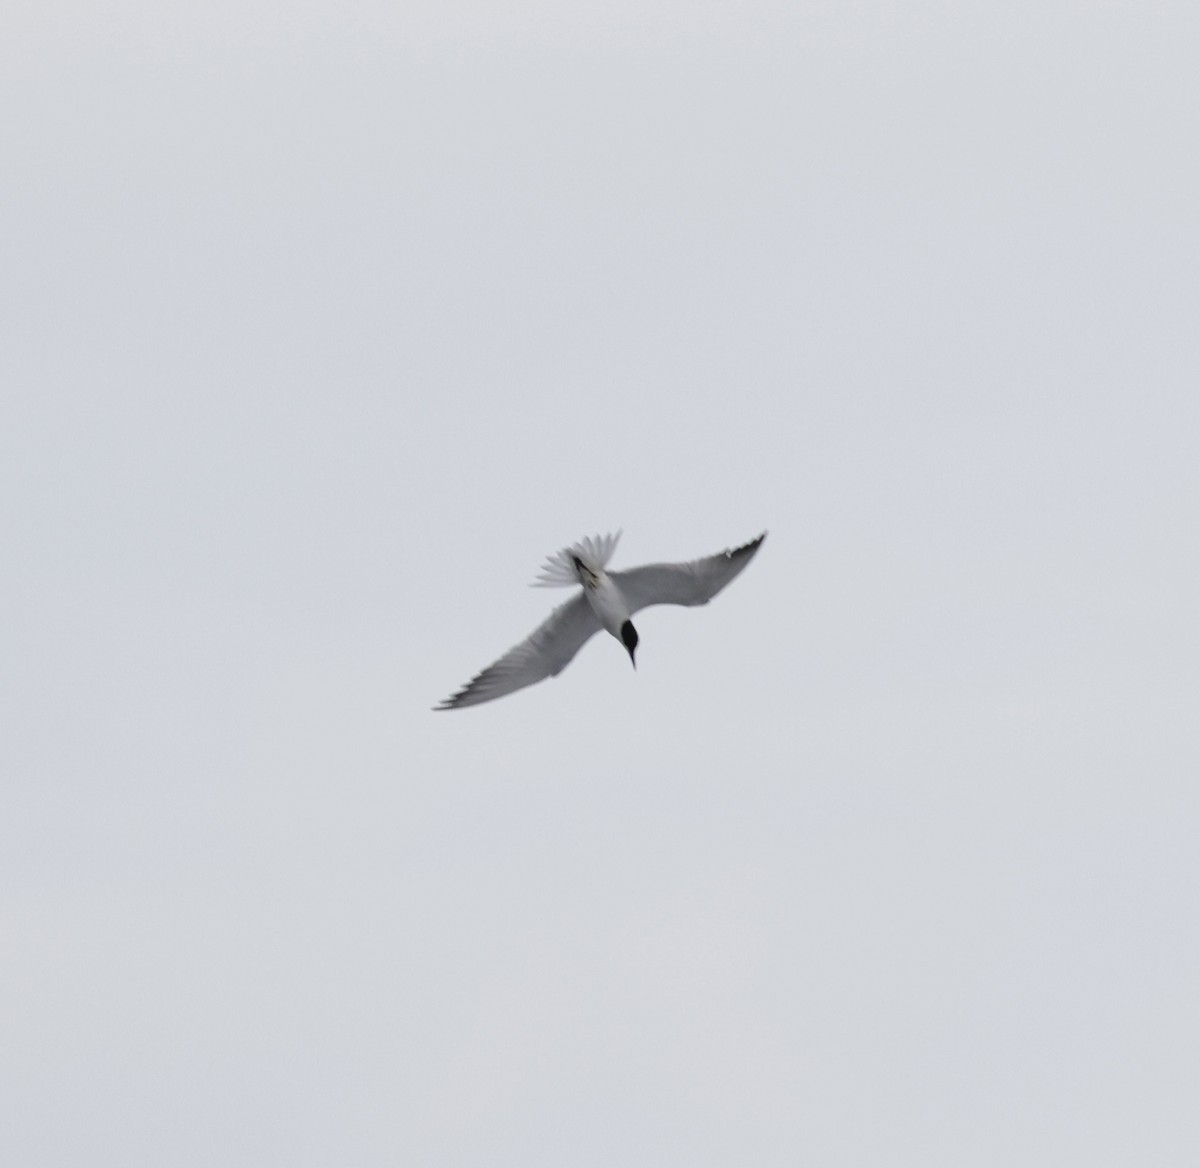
<point>323,324</point>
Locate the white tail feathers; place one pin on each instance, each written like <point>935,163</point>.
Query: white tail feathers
<point>559,569</point>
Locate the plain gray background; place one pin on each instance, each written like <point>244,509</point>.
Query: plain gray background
<point>324,323</point>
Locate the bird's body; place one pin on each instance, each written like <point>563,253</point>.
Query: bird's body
<point>607,601</point>
<point>604,597</point>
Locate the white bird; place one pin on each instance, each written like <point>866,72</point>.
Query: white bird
<point>607,601</point>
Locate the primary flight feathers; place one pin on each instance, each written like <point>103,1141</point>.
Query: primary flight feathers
<point>607,601</point>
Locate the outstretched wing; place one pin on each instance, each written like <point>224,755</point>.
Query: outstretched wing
<point>696,582</point>
<point>546,652</point>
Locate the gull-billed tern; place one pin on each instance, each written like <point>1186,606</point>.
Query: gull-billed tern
<point>607,601</point>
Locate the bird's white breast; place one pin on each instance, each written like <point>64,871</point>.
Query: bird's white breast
<point>607,603</point>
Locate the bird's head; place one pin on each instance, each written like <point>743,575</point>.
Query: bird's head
<point>629,638</point>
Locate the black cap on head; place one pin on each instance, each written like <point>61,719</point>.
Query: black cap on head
<point>630,638</point>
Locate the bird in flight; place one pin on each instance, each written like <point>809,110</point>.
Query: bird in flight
<point>608,601</point>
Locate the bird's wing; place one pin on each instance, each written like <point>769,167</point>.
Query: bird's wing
<point>546,652</point>
<point>696,582</point>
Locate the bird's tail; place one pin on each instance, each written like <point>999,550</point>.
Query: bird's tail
<point>559,569</point>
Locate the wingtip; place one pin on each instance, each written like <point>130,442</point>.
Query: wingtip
<point>749,548</point>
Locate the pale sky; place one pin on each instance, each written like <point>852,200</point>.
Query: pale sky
<point>323,324</point>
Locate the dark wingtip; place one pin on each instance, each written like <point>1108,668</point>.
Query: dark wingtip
<point>455,700</point>
<point>747,549</point>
